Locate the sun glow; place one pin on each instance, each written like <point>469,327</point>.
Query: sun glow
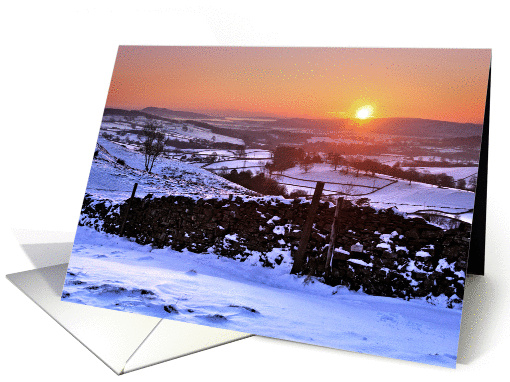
<point>364,112</point>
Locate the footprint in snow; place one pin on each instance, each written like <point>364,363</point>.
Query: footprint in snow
<point>245,308</point>
<point>390,318</point>
<point>100,256</point>
<point>75,282</point>
<point>355,335</point>
<point>215,318</point>
<point>145,258</point>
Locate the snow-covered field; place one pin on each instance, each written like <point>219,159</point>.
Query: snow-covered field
<point>178,131</point>
<point>114,181</point>
<point>254,160</point>
<point>111,180</point>
<point>115,273</point>
<point>455,172</point>
<point>255,165</point>
<point>188,132</point>
<point>232,154</point>
<point>406,197</point>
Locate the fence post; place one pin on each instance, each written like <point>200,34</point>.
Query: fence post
<point>299,257</point>
<point>130,200</point>
<point>332,236</point>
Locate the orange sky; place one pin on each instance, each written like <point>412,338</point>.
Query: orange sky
<point>443,84</point>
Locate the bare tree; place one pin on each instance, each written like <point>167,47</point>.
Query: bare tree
<point>152,144</point>
<point>335,160</point>
<point>241,152</point>
<point>306,165</point>
<point>347,190</point>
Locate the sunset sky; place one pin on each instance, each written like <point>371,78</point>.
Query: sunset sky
<point>442,84</point>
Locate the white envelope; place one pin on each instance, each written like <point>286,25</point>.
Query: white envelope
<point>123,341</point>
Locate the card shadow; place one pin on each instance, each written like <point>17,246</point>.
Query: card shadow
<point>48,254</point>
<point>479,300</point>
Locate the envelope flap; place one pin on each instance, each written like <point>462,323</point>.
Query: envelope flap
<point>173,339</point>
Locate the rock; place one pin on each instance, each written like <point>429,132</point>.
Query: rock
<point>170,309</point>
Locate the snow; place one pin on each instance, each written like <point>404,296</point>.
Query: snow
<point>273,220</point>
<point>360,262</point>
<point>357,247</point>
<point>401,248</point>
<point>388,236</point>
<point>461,275</point>
<point>279,230</point>
<point>116,273</point>
<point>255,165</point>
<point>408,198</point>
<point>411,267</point>
<point>232,237</point>
<point>443,264</point>
<point>455,172</point>
<point>178,131</point>
<point>422,254</point>
<point>253,160</point>
<point>113,181</point>
<point>341,250</point>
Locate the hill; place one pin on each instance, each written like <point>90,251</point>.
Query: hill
<point>413,127</point>
<point>167,113</point>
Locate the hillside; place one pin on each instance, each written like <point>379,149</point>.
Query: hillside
<point>411,127</point>
<point>114,181</point>
<point>167,113</point>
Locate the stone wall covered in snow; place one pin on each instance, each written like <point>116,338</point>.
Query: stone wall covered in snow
<point>401,257</point>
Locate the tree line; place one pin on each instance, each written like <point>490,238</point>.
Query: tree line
<point>285,157</point>
<point>259,183</point>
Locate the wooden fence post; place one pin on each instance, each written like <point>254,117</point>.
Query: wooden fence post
<point>130,200</point>
<point>299,257</point>
<point>332,236</point>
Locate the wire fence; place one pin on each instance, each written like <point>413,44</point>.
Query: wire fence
<point>326,182</point>
<point>429,208</point>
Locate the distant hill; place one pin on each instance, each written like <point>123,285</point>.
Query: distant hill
<point>394,126</point>
<point>134,113</point>
<point>167,113</point>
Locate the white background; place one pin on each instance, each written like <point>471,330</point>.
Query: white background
<point>56,64</point>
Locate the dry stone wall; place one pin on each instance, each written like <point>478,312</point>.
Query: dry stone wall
<point>401,257</point>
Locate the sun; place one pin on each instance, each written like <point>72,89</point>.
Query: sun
<point>364,112</point>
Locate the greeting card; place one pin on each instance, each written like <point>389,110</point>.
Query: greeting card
<point>318,195</point>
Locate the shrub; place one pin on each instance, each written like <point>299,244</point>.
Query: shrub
<point>298,193</point>
<point>258,183</point>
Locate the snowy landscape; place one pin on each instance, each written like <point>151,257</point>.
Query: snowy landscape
<point>382,190</point>
<point>204,288</point>
<point>115,273</point>
<point>306,194</point>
